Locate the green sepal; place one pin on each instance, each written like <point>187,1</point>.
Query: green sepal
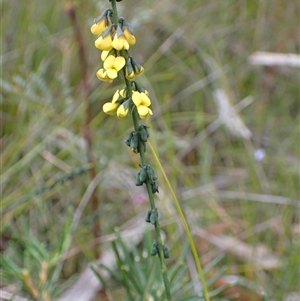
<point>147,217</point>
<point>151,174</point>
<point>119,31</point>
<point>154,249</point>
<point>129,69</point>
<point>138,87</point>
<point>127,141</point>
<point>166,252</point>
<point>154,216</point>
<point>126,103</point>
<point>107,31</point>
<point>154,187</point>
<point>143,175</point>
<point>105,15</point>
<point>134,142</point>
<point>138,69</point>
<point>144,134</point>
<point>137,180</point>
<point>125,24</point>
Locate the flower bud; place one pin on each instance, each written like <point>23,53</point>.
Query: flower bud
<point>129,73</point>
<point>153,216</point>
<point>121,111</point>
<point>154,249</point>
<point>166,252</point>
<point>134,142</point>
<point>143,175</point>
<point>151,174</point>
<point>110,108</point>
<point>144,134</point>
<point>147,217</point>
<point>154,187</point>
<point>138,69</point>
<point>127,141</point>
<point>137,180</point>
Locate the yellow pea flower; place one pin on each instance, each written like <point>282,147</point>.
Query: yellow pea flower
<point>99,27</point>
<point>129,37</point>
<point>120,42</point>
<point>138,69</point>
<point>104,43</point>
<point>121,112</point>
<point>129,72</point>
<point>102,75</point>
<point>144,111</point>
<point>118,94</point>
<point>112,65</point>
<point>128,75</point>
<point>140,99</point>
<point>110,108</point>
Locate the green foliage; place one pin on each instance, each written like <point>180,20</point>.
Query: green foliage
<point>139,275</point>
<point>34,264</point>
<point>217,180</point>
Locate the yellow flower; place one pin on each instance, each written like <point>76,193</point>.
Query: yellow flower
<point>129,73</point>
<point>102,75</point>
<point>121,112</point>
<point>118,94</point>
<point>144,111</point>
<point>110,108</point>
<point>140,99</point>
<point>129,37</point>
<point>138,69</point>
<point>111,66</point>
<point>120,42</point>
<point>104,43</point>
<point>99,27</point>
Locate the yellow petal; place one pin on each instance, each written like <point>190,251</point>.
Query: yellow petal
<point>144,111</point>
<point>104,55</point>
<point>126,44</point>
<point>110,108</point>
<point>118,42</point>
<point>145,100</point>
<point>109,62</point>
<point>130,76</point>
<point>136,98</point>
<point>116,96</point>
<point>104,43</point>
<point>121,112</point>
<point>119,63</point>
<point>129,37</point>
<point>112,73</point>
<point>101,74</point>
<point>123,93</point>
<point>139,71</point>
<point>99,27</point>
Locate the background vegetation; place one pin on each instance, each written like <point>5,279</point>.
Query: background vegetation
<point>237,204</point>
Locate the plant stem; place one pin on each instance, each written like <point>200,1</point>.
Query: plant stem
<point>152,204</point>
<point>135,119</point>
<point>185,226</point>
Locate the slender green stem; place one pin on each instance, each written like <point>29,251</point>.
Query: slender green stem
<point>185,225</point>
<point>156,225</point>
<point>135,119</point>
